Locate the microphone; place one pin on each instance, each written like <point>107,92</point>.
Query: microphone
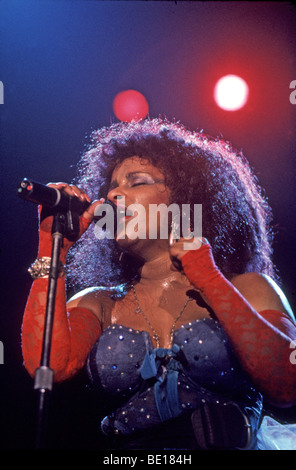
<point>51,197</point>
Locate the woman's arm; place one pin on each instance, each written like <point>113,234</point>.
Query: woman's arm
<point>255,318</point>
<point>75,330</point>
<point>76,327</point>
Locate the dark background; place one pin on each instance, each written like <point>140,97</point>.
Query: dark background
<point>62,63</point>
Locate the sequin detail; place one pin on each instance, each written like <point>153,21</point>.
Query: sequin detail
<point>204,368</point>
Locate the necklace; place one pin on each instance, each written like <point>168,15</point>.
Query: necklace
<point>156,337</point>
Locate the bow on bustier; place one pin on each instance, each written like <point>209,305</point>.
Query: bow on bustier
<point>164,365</point>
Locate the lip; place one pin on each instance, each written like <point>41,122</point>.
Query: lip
<point>122,213</point>
<point>124,219</point>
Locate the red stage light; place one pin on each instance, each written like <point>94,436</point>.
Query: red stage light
<point>130,105</point>
<point>231,92</point>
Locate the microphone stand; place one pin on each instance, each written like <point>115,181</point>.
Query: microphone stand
<point>43,381</point>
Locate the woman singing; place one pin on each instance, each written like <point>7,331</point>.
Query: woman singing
<point>192,334</point>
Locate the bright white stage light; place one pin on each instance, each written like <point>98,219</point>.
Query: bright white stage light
<point>231,92</point>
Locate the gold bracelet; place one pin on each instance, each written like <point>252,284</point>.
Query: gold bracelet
<point>41,267</point>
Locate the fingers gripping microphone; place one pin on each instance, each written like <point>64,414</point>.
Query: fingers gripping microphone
<point>65,208</point>
<point>51,197</point>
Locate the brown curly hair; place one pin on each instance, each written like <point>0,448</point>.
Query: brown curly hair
<point>198,169</point>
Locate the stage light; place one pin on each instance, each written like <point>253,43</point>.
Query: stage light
<point>231,92</point>
<point>130,105</point>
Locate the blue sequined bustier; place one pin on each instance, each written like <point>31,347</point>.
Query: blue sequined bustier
<point>160,384</point>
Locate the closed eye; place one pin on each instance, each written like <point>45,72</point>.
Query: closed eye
<point>139,183</point>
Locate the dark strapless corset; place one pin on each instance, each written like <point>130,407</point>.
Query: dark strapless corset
<point>160,384</point>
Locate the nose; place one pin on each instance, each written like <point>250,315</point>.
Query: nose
<point>115,195</point>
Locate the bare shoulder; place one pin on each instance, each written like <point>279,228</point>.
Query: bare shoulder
<point>262,292</point>
<point>98,300</point>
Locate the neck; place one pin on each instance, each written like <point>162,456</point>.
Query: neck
<point>156,268</point>
<point>160,270</point>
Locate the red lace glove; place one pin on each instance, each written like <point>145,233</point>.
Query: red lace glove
<point>45,238</point>
<point>74,332</point>
<point>261,340</point>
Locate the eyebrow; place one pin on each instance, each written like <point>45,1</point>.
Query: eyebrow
<point>129,176</point>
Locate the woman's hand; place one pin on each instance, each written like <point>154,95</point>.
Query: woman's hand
<point>73,191</point>
<point>46,220</point>
<point>178,248</point>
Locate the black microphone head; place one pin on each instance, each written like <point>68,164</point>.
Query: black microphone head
<point>53,198</point>
<point>36,192</point>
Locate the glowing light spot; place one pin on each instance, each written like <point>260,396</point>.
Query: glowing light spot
<point>231,92</point>
<point>130,105</point>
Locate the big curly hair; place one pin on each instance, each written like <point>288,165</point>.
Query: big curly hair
<point>198,169</point>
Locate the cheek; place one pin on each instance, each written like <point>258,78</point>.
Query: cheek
<point>151,195</point>
<point>159,196</point>
<point>158,221</point>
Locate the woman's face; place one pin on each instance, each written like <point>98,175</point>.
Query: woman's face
<point>135,185</point>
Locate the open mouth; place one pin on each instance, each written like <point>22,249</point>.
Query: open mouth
<point>124,213</point>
